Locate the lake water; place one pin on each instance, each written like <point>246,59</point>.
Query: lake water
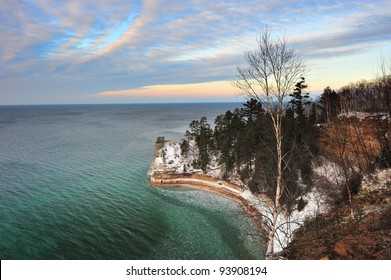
<point>74,185</point>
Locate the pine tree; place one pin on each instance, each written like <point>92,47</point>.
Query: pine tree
<point>252,109</point>
<point>299,98</point>
<point>204,143</point>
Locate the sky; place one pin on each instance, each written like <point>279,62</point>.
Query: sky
<point>152,51</point>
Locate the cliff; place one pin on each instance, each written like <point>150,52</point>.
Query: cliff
<point>171,168</point>
<point>169,160</point>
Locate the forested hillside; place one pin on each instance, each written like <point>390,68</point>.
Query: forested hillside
<point>330,144</point>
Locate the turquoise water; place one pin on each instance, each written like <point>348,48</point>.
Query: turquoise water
<point>74,185</point>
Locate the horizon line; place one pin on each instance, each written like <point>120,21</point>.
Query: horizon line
<point>121,103</point>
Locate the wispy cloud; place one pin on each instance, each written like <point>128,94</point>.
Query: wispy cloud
<point>108,45</point>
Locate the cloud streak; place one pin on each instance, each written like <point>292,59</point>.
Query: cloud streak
<point>194,90</point>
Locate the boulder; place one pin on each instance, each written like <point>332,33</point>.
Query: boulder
<point>342,249</point>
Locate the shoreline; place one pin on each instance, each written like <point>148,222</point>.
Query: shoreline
<point>219,187</point>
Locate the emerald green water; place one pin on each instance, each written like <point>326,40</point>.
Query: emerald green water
<point>74,185</point>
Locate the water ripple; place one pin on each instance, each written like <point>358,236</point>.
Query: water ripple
<point>73,185</point>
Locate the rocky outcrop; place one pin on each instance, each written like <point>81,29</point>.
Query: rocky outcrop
<point>163,162</point>
<point>169,159</point>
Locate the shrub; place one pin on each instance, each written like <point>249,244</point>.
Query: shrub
<point>354,184</point>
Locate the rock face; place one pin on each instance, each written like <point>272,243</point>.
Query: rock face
<point>169,159</point>
<point>162,163</point>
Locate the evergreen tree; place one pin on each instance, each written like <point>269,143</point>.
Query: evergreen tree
<point>299,98</point>
<point>204,143</point>
<point>225,140</point>
<point>201,132</point>
<point>184,144</point>
<point>252,110</point>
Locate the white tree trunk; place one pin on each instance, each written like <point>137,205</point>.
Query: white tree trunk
<point>277,205</point>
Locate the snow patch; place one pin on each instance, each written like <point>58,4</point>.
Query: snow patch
<point>379,181</point>
<point>363,115</point>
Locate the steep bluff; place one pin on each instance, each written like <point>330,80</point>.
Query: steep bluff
<point>316,231</point>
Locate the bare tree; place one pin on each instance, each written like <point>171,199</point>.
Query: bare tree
<point>273,70</point>
<point>384,83</point>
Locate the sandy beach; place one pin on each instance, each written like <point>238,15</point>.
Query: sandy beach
<point>206,183</point>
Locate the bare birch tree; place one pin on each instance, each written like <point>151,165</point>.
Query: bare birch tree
<point>273,70</point>
<point>384,83</point>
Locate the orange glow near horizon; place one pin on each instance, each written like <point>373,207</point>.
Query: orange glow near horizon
<point>199,90</point>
